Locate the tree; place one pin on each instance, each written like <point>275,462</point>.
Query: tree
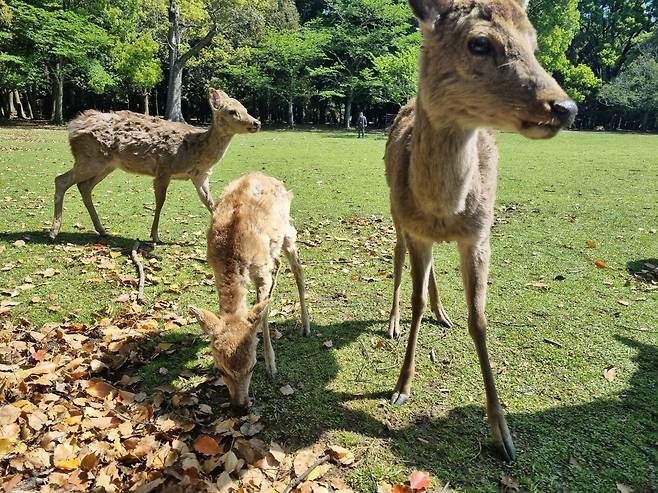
<point>65,43</point>
<point>361,30</point>
<point>138,66</point>
<point>394,78</point>
<point>557,23</point>
<point>288,56</point>
<point>609,31</point>
<point>635,88</point>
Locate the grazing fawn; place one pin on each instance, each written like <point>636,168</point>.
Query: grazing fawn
<point>477,71</point>
<point>143,145</point>
<point>249,229</point>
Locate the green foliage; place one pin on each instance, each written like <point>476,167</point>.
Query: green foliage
<point>136,62</point>
<point>394,78</point>
<point>636,87</point>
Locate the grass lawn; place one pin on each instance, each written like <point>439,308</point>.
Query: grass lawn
<point>557,322</point>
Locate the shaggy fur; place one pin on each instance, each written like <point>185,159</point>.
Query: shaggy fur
<point>441,158</point>
<point>249,229</point>
<point>139,144</point>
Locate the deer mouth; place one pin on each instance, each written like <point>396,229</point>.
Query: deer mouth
<point>539,129</point>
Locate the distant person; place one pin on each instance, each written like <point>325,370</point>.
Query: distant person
<point>361,124</point>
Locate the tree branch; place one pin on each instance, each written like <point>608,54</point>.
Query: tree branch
<point>207,39</point>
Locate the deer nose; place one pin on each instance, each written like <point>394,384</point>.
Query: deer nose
<point>565,111</point>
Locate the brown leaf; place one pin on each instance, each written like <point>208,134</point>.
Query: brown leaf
<point>624,302</point>
<point>624,488</point>
<point>419,480</point>
<point>600,264</point>
<point>328,344</point>
<point>207,445</point>
<point>591,244</point>
<point>610,373</point>
<point>509,482</point>
<point>341,455</point>
<point>9,414</point>
<point>100,389</point>
<point>287,390</point>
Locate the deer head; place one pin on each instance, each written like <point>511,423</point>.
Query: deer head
<point>230,114</point>
<point>233,341</point>
<point>479,69</point>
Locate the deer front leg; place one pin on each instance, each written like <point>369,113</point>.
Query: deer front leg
<point>398,265</point>
<point>420,256</point>
<point>85,188</point>
<point>475,268</point>
<point>264,288</point>
<point>160,185</point>
<point>435,302</point>
<point>202,186</point>
<point>290,250</point>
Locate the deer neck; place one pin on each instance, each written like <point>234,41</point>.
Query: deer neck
<point>213,143</point>
<point>444,160</point>
<point>232,290</point>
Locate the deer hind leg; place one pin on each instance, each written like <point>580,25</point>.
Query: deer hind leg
<point>202,186</point>
<point>475,267</point>
<point>264,288</point>
<point>398,265</point>
<point>63,182</point>
<point>290,250</point>
<point>420,255</point>
<point>160,185</point>
<point>86,188</point>
<point>435,302</point>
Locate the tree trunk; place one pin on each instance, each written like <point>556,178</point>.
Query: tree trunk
<point>155,102</point>
<point>12,107</point>
<point>146,104</point>
<point>645,120</point>
<point>619,124</point>
<point>30,112</point>
<point>291,114</point>
<point>348,108</point>
<point>4,103</point>
<point>177,62</point>
<point>58,94</point>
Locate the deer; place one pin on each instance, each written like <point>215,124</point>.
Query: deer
<point>249,230</point>
<point>477,72</point>
<point>144,145</point>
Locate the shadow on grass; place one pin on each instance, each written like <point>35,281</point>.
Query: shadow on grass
<point>80,238</point>
<point>583,447</point>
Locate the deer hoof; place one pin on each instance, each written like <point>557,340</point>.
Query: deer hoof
<point>503,439</point>
<point>443,319</point>
<point>394,328</point>
<point>399,398</point>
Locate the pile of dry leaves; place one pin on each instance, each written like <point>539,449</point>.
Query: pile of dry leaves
<point>71,418</point>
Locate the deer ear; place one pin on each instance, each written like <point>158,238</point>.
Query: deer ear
<point>258,312</point>
<point>208,321</point>
<point>426,11</point>
<point>216,98</point>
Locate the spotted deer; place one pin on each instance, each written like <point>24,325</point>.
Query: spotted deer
<point>144,145</point>
<point>249,229</point>
<point>478,72</point>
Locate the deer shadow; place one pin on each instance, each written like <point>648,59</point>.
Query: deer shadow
<point>572,447</point>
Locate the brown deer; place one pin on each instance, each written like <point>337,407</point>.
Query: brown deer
<point>143,145</point>
<point>249,229</point>
<point>477,71</point>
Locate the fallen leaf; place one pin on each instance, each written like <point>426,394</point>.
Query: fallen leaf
<point>207,445</point>
<point>574,462</point>
<point>19,243</point>
<point>328,344</point>
<point>509,482</point>
<point>287,390</point>
<point>419,480</point>
<point>591,244</point>
<point>624,302</point>
<point>342,455</point>
<point>624,488</point>
<point>610,373</point>
<point>600,264</point>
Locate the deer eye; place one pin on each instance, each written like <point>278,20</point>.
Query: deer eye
<point>479,46</point>
<point>233,112</point>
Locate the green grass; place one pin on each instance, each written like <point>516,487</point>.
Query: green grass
<point>552,197</point>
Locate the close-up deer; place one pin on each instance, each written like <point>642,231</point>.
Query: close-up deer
<point>478,72</point>
<point>248,231</point>
<point>144,145</point>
